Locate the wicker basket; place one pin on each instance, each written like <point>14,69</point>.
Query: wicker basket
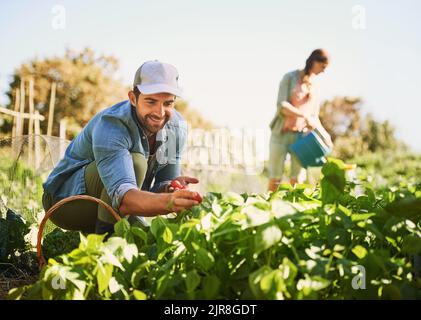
<point>50,212</point>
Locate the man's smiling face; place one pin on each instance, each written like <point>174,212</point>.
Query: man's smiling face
<point>153,110</point>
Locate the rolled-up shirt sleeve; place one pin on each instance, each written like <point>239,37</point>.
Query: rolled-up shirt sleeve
<point>111,143</point>
<point>120,192</point>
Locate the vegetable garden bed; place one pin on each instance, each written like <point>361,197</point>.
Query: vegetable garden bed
<point>296,243</point>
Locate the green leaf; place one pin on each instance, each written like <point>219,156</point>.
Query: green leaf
<point>254,216</point>
<point>192,280</point>
<point>104,274</point>
<point>233,198</point>
<point>109,257</point>
<point>139,295</point>
<point>121,228</point>
<point>141,272</point>
<point>216,208</point>
<point>345,210</point>
<point>361,216</point>
<point>130,251</point>
<point>391,292</point>
<point>312,252</point>
<point>359,251</point>
<point>204,259</point>
<point>114,286</point>
<point>157,227</point>
<point>139,233</point>
<point>167,235</point>
<point>254,281</point>
<point>273,285</point>
<point>281,208</point>
<point>211,285</point>
<point>407,207</point>
<point>161,285</point>
<point>310,283</point>
<point>333,181</point>
<point>267,237</point>
<point>91,242</point>
<point>392,242</point>
<point>411,245</point>
<point>16,293</point>
<point>289,270</point>
<point>12,235</point>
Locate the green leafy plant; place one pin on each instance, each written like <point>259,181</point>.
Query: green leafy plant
<point>296,243</point>
<point>13,229</point>
<point>59,241</point>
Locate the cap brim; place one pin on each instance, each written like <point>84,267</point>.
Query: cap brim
<point>159,88</point>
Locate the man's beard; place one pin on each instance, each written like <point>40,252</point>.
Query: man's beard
<point>151,129</point>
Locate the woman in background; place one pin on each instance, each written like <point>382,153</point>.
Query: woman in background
<point>297,112</point>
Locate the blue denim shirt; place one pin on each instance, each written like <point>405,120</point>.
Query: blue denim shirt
<point>109,138</point>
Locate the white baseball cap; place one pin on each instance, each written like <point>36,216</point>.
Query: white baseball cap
<point>156,77</point>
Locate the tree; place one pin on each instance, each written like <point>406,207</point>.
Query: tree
<point>341,116</point>
<point>85,85</point>
<point>354,134</point>
<point>378,135</point>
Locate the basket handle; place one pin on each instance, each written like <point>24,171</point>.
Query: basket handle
<point>53,209</point>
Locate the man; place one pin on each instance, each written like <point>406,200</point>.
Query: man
<point>126,155</point>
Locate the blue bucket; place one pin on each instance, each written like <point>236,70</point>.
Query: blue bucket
<point>310,149</point>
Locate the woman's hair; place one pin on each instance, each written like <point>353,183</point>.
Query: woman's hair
<point>318,55</point>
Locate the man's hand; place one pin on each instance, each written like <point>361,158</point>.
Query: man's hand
<point>181,200</point>
<point>143,203</point>
<point>184,181</point>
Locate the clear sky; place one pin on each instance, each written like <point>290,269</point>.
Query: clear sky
<point>231,55</point>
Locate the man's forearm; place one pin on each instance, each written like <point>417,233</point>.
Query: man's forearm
<point>144,203</point>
